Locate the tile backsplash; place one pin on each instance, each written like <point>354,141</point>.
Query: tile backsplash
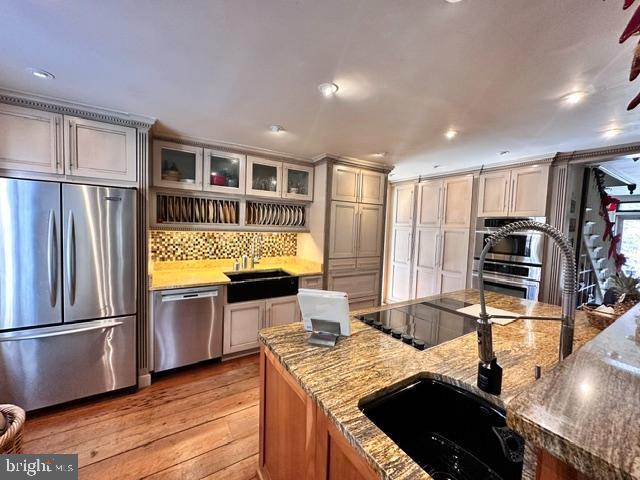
<point>174,245</point>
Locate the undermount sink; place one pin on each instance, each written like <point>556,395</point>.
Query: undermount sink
<point>260,284</point>
<point>451,433</point>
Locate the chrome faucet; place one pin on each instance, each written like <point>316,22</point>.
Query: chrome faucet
<point>256,257</point>
<point>489,372</point>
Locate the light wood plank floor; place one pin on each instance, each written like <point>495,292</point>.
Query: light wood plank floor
<point>192,424</point>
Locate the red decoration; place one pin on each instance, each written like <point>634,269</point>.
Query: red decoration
<point>609,204</point>
<point>632,28</point>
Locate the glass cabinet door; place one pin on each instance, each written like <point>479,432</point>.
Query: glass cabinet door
<point>264,177</point>
<point>177,166</point>
<point>298,182</point>
<point>223,171</point>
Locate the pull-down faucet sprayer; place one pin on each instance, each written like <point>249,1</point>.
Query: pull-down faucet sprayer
<point>489,372</point>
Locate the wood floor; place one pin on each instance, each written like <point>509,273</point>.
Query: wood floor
<point>198,423</point>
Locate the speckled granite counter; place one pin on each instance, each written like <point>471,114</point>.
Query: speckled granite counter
<point>193,273</point>
<point>369,361</point>
<point>586,412</point>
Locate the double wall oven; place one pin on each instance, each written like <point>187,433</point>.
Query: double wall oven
<point>514,265</point>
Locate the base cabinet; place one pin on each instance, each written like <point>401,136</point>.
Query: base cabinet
<point>243,321</point>
<point>297,440</point>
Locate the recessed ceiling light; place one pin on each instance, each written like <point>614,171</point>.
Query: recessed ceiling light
<point>276,128</point>
<point>328,89</point>
<point>38,72</point>
<point>574,98</point>
<point>612,132</point>
<point>452,1</point>
<point>379,154</point>
<point>450,134</point>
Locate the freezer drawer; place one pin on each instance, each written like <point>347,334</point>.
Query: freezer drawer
<point>46,366</point>
<point>187,327</point>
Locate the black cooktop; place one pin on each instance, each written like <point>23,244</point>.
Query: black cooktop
<point>423,325</point>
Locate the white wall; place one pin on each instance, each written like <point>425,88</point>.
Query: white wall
<point>311,245</point>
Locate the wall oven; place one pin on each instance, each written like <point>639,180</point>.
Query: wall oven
<point>525,247</point>
<point>514,265</point>
<point>516,280</point>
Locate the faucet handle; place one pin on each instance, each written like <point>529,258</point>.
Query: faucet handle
<point>537,372</point>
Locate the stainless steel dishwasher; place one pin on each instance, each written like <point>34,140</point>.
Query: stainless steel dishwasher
<point>187,326</point>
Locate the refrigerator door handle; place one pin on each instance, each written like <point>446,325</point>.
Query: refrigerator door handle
<point>71,260</point>
<point>52,259</point>
<point>34,335</point>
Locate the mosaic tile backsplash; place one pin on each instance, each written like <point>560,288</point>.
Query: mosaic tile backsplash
<point>173,245</point>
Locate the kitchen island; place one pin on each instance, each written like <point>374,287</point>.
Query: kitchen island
<point>316,391</point>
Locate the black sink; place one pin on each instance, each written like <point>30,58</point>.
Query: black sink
<point>260,284</point>
<point>451,433</point>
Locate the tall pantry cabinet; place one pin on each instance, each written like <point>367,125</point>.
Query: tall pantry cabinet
<point>429,237</point>
<point>356,214</point>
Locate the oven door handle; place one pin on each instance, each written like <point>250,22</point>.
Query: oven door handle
<point>508,280</point>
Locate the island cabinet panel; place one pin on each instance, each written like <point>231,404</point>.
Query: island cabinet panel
<point>287,424</point>
<point>551,468</point>
<point>336,459</point>
<point>297,440</point>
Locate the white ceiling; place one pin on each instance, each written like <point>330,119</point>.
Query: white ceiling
<point>407,70</point>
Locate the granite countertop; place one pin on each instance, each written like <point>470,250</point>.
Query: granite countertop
<point>194,273</point>
<point>369,361</point>
<point>586,412</point>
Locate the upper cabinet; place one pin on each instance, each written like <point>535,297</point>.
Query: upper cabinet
<point>224,172</point>
<point>529,191</point>
<point>345,186</point>
<point>205,169</point>
<point>100,150</point>
<point>493,194</point>
<point>31,140</point>
<point>49,143</point>
<point>519,192</point>
<point>177,166</point>
<point>358,185</point>
<point>372,187</point>
<point>445,202</point>
<point>264,177</point>
<point>298,182</point>
<point>402,203</point>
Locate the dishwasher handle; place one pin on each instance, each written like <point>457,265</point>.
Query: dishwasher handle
<point>176,297</point>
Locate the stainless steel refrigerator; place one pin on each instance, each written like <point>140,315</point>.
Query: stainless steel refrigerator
<point>67,291</point>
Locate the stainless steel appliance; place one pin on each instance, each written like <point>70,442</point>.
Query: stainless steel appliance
<point>514,263</point>
<point>520,247</point>
<point>67,291</point>
<point>187,326</point>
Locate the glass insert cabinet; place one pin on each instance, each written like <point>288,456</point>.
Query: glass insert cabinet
<point>188,167</point>
<point>223,171</point>
<point>177,166</point>
<point>298,182</point>
<point>264,177</point>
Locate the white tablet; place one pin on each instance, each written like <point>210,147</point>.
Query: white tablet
<point>325,305</point>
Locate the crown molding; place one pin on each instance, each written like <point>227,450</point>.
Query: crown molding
<point>603,153</point>
<point>159,134</point>
<point>66,107</point>
<point>352,161</point>
<point>524,162</point>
